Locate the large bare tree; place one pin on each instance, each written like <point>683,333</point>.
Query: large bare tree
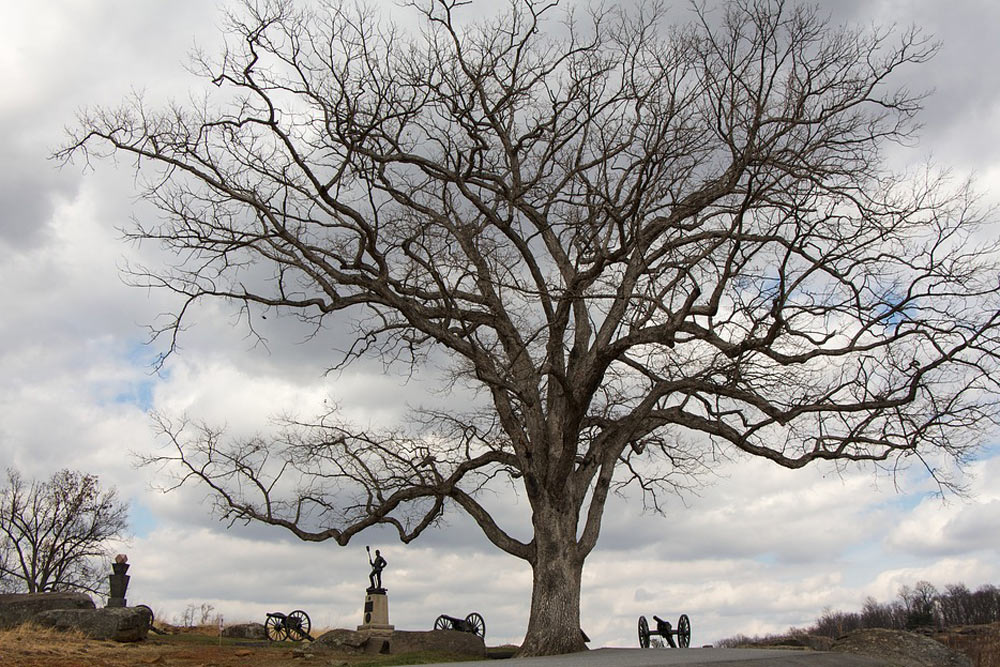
<point>645,244</point>
<point>54,534</point>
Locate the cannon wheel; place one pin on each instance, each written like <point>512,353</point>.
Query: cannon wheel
<point>298,625</point>
<point>274,629</point>
<point>477,625</point>
<point>684,631</point>
<point>152,618</point>
<point>643,632</point>
<point>442,623</point>
<point>150,610</point>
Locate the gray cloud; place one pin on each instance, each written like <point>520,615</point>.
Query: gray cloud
<point>29,190</point>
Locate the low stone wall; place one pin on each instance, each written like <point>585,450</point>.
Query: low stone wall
<point>402,641</point>
<point>463,643</point>
<point>17,608</point>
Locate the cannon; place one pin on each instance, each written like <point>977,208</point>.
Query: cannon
<point>473,623</point>
<point>294,626</point>
<point>149,610</point>
<point>665,630</point>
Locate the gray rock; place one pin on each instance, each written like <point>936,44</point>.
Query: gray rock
<point>401,641</point>
<point>16,608</point>
<point>245,631</point>
<point>121,624</point>
<point>449,641</point>
<point>342,640</point>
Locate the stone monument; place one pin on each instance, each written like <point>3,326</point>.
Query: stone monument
<point>376,613</point>
<point>119,581</point>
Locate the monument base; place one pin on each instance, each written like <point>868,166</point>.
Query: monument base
<point>377,629</point>
<point>376,614</point>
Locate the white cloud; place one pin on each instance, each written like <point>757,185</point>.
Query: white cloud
<point>960,526</point>
<point>972,571</point>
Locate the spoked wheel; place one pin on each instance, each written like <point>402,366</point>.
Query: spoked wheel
<point>477,624</point>
<point>298,625</point>
<point>643,632</point>
<point>442,623</point>
<point>274,629</point>
<point>684,631</point>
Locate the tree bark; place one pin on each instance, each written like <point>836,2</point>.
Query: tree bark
<point>557,567</point>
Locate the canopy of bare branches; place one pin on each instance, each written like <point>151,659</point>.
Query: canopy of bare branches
<point>54,534</point>
<point>645,244</point>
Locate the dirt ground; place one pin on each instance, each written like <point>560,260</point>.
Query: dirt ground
<point>36,647</point>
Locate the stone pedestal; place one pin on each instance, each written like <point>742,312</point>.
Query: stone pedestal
<point>376,613</point>
<point>119,584</point>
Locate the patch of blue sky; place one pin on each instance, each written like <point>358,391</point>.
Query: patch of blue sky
<point>139,394</point>
<point>903,502</point>
<point>142,522</point>
<point>144,356</point>
<point>986,451</point>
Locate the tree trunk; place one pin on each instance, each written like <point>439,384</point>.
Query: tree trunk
<point>554,624</point>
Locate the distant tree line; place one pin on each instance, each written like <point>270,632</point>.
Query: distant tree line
<point>921,605</point>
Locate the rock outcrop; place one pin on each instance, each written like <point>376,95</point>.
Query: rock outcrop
<point>449,641</point>
<point>343,640</point>
<point>17,608</point>
<point>904,649</point>
<point>245,631</point>
<point>401,641</point>
<point>120,624</point>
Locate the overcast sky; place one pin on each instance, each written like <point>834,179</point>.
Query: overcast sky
<point>759,550</point>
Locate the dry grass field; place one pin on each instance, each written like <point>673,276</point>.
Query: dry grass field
<point>980,642</point>
<point>29,646</point>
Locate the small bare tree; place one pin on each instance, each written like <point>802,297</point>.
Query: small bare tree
<point>644,245</point>
<point>198,615</point>
<point>53,534</point>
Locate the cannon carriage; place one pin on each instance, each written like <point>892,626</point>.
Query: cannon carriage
<point>667,631</point>
<point>294,625</point>
<point>473,623</point>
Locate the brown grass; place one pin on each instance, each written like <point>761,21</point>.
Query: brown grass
<point>32,646</point>
<point>981,643</point>
<point>29,633</point>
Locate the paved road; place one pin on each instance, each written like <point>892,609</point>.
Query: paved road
<point>694,657</point>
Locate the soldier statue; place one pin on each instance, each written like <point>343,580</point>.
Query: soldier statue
<point>378,564</point>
